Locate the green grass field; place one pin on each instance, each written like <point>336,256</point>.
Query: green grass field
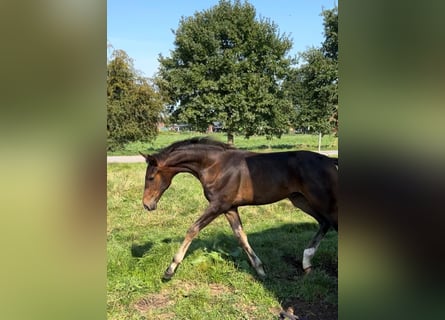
<point>215,280</point>
<point>255,143</point>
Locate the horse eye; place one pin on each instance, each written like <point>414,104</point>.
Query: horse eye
<point>151,178</point>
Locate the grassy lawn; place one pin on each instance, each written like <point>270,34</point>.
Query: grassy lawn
<point>255,143</point>
<point>215,280</point>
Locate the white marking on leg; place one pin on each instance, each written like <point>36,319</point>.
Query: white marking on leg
<point>307,257</point>
<point>235,223</point>
<point>258,265</point>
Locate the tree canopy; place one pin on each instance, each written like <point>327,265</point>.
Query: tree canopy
<point>313,86</point>
<point>228,67</point>
<point>133,107</point>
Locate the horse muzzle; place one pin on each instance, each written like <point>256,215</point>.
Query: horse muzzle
<point>150,207</point>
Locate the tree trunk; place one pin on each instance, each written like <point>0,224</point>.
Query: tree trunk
<point>230,138</point>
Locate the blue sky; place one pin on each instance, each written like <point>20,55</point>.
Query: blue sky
<point>143,27</point>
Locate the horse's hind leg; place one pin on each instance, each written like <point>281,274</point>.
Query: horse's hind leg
<point>310,250</point>
<point>299,201</point>
<point>237,227</point>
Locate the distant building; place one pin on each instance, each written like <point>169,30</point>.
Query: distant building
<point>179,127</point>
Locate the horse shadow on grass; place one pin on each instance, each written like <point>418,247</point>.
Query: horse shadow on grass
<point>138,250</point>
<point>281,251</point>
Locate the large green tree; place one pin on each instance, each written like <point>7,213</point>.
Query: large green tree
<point>313,86</point>
<point>227,66</point>
<point>133,106</point>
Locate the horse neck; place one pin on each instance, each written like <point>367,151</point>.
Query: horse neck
<point>188,161</point>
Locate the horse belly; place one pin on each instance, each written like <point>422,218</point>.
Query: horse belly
<point>271,195</point>
<point>251,193</point>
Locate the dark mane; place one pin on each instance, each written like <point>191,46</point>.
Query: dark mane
<point>205,143</point>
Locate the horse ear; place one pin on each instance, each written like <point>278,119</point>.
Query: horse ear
<point>149,159</point>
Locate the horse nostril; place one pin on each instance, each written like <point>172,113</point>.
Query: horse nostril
<point>150,207</point>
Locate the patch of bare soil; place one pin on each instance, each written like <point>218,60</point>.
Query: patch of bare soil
<point>153,301</point>
<point>302,310</point>
<point>164,298</point>
<point>296,308</point>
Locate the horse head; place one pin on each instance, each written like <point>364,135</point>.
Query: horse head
<point>157,180</point>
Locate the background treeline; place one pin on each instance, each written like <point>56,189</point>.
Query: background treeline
<point>230,68</point>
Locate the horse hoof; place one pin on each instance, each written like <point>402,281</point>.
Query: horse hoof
<point>261,273</point>
<point>308,270</point>
<point>261,277</point>
<point>167,275</point>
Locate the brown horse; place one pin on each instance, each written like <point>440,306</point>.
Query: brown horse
<point>232,178</point>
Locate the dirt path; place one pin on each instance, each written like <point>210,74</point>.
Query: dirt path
<point>125,159</point>
<point>136,159</point>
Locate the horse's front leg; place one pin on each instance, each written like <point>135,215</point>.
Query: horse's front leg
<point>237,227</point>
<point>208,216</point>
